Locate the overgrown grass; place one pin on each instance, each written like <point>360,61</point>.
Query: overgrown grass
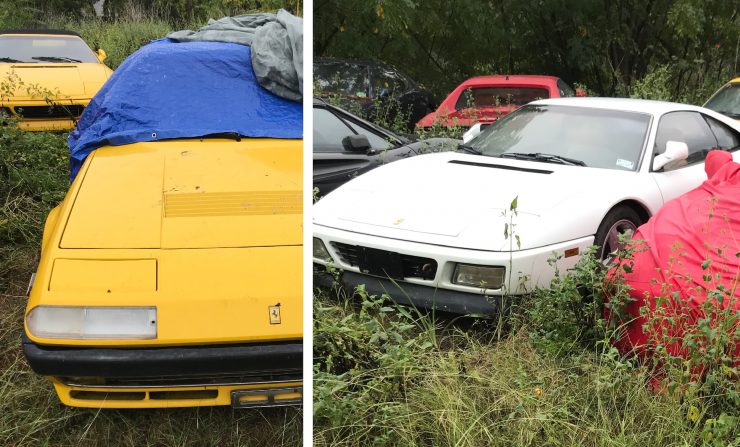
<point>390,376</point>
<point>34,176</point>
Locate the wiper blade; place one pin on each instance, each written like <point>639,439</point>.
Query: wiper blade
<point>548,158</point>
<point>469,149</point>
<point>55,59</point>
<point>8,59</point>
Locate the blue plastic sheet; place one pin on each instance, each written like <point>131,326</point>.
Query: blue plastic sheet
<point>169,90</point>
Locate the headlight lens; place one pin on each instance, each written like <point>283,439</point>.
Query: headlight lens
<point>93,323</point>
<point>482,276</point>
<point>320,251</point>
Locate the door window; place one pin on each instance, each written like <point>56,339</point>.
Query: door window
<point>689,128</point>
<point>727,138</point>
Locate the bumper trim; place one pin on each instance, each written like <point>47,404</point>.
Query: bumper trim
<point>425,297</point>
<point>261,359</point>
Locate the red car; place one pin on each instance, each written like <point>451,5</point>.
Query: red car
<point>484,99</point>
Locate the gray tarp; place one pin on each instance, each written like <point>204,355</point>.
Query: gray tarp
<point>277,47</point>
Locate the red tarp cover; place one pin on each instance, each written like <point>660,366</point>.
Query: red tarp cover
<point>703,224</point>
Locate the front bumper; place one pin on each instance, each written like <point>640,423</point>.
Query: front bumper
<point>46,125</point>
<point>451,301</point>
<point>246,375</point>
<point>525,270</point>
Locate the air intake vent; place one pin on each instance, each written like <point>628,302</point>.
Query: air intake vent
<point>251,203</point>
<point>57,111</point>
<point>497,166</point>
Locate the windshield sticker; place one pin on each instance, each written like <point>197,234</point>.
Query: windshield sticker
<point>622,163</point>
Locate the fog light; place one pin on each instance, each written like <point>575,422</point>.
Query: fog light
<point>320,252</point>
<point>93,323</point>
<point>482,276</point>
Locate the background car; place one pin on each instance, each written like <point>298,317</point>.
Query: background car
<point>456,231</point>
<point>345,146</point>
<point>372,89</point>
<point>48,65</point>
<point>484,99</point>
<point>170,275</point>
<point>727,100</point>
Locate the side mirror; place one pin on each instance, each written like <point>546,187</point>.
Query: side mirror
<point>101,55</point>
<point>674,151</point>
<point>356,143</point>
<point>473,132</point>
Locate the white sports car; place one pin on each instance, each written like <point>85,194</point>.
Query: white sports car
<point>451,230</point>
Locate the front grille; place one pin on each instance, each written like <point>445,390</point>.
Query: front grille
<point>413,266</point>
<point>56,111</point>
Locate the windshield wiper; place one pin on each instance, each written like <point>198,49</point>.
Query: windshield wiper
<point>55,59</point>
<point>469,149</point>
<point>548,158</point>
<point>8,59</point>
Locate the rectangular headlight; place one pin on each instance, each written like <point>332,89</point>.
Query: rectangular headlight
<point>93,323</point>
<point>320,251</point>
<point>482,276</point>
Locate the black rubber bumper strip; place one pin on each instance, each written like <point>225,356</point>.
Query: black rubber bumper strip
<point>425,297</point>
<point>180,361</point>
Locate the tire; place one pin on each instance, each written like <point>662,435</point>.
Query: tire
<point>617,221</point>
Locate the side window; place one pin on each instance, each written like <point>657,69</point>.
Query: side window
<point>689,128</point>
<point>727,138</point>
<point>377,142</point>
<point>565,90</point>
<point>328,131</point>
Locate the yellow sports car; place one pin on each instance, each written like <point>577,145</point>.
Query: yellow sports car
<point>170,275</point>
<point>48,77</point>
<point>727,100</point>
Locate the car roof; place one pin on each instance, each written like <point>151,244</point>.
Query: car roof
<point>510,79</point>
<point>735,81</point>
<point>625,104</point>
<point>54,32</point>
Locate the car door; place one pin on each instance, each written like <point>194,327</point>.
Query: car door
<point>701,133</point>
<point>333,163</point>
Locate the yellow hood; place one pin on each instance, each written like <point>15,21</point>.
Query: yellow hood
<point>69,81</point>
<point>189,194</point>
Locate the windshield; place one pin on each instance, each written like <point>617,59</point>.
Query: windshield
<point>726,101</point>
<point>600,138</point>
<point>54,49</point>
<point>499,96</point>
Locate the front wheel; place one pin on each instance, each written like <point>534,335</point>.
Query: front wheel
<point>618,221</point>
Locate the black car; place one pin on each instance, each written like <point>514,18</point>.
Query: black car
<point>345,145</point>
<point>373,90</point>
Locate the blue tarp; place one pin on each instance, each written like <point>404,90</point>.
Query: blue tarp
<point>171,90</point>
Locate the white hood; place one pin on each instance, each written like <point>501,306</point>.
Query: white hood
<point>461,200</point>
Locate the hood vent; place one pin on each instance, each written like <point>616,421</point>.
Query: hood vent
<point>233,203</point>
<point>507,167</point>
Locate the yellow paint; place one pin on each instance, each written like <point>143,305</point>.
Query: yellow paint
<point>109,276</point>
<point>71,83</point>
<point>212,275</point>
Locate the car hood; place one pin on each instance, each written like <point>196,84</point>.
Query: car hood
<point>65,81</point>
<point>466,201</point>
<point>177,194</point>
